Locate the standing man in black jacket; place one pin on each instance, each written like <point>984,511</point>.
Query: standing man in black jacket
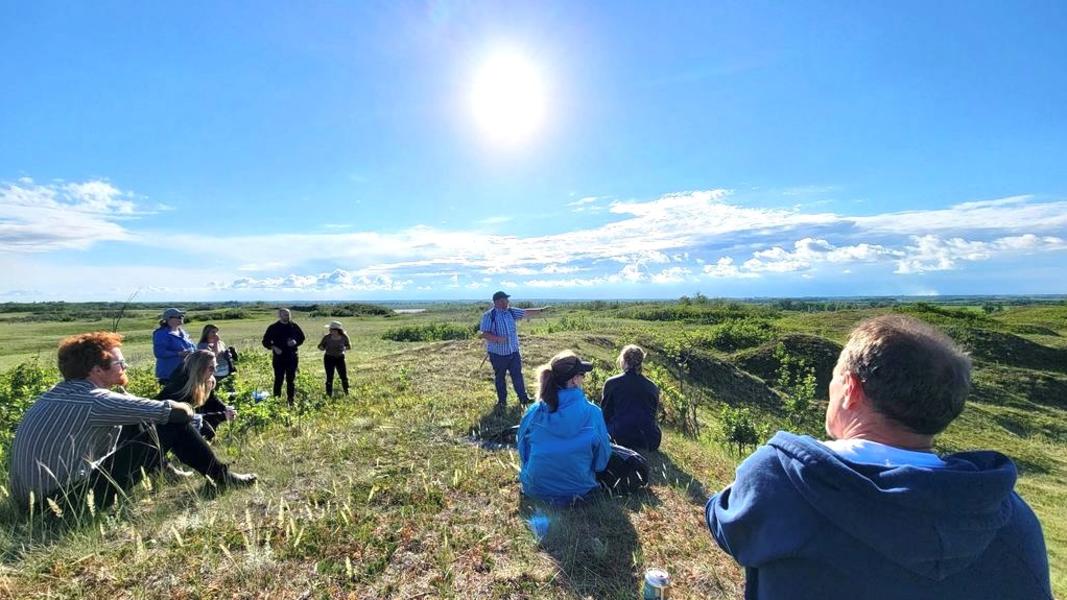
<point>283,338</point>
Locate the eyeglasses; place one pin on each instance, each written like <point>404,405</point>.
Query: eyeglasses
<point>121,363</point>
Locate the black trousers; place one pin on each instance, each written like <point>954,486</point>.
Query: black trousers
<point>335,363</point>
<point>285,367</point>
<point>141,449</point>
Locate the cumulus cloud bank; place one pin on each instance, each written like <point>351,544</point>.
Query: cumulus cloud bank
<point>678,238</point>
<point>692,236</point>
<point>57,216</point>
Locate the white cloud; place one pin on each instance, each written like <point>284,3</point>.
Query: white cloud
<point>43,218</point>
<point>809,251</point>
<point>1013,213</point>
<point>724,268</point>
<point>337,279</point>
<point>931,253</point>
<point>663,241</point>
<point>494,220</point>
<point>671,275</point>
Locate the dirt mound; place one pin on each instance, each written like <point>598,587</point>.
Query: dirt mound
<point>1009,349</point>
<point>819,352</point>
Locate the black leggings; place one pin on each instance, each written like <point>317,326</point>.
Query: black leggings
<point>331,363</point>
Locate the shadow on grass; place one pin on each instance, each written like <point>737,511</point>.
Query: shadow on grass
<point>494,429</point>
<point>593,542</point>
<point>665,471</point>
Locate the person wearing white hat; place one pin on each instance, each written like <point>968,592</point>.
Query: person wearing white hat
<point>334,344</point>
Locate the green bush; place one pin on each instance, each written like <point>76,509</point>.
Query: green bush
<point>709,312</point>
<point>19,387</point>
<point>430,332</point>
<point>739,427</point>
<point>737,334</point>
<point>796,379</point>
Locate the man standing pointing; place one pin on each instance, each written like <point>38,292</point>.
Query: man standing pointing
<point>498,329</point>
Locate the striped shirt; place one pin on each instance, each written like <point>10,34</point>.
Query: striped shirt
<point>502,323</point>
<point>69,430</point>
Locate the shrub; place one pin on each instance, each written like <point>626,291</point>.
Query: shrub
<point>737,334</point>
<point>739,427</point>
<point>796,378</point>
<point>18,389</point>
<point>679,408</point>
<point>430,332</point>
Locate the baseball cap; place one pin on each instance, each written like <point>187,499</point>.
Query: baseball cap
<point>172,312</point>
<point>569,366</point>
<point>499,295</point>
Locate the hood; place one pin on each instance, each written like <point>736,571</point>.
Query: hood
<point>571,417</point>
<point>933,522</point>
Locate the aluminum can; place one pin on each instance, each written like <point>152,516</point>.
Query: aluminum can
<point>657,583</point>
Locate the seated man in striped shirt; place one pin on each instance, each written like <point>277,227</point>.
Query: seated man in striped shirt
<point>81,436</point>
<point>501,336</point>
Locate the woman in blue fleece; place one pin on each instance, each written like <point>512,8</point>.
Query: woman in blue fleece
<point>170,344</point>
<point>562,439</point>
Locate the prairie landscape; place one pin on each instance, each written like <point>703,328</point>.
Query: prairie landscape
<point>387,493</point>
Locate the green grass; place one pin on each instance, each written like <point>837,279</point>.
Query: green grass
<point>382,494</point>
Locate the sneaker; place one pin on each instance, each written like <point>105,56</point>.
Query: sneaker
<point>238,479</point>
<point>173,473</point>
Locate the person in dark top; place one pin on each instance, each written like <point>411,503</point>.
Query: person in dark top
<point>194,384</point>
<point>283,338</point>
<point>333,345</point>
<point>874,513</point>
<point>631,402</point>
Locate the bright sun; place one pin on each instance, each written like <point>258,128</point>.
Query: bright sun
<point>508,98</point>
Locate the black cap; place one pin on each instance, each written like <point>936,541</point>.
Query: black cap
<point>569,366</point>
<point>499,295</point>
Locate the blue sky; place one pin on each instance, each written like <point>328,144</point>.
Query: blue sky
<point>332,151</point>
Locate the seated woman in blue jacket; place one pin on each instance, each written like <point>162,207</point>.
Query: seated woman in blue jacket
<point>562,439</point>
<point>630,403</point>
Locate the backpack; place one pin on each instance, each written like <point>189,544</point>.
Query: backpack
<point>627,471</point>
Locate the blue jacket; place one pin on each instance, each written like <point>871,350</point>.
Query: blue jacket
<point>561,452</point>
<point>168,345</point>
<point>808,524</point>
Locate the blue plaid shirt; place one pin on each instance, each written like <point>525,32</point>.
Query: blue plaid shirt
<point>502,323</point>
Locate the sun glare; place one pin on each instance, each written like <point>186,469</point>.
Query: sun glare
<point>508,98</point>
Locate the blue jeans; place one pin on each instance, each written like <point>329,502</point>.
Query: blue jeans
<point>502,364</point>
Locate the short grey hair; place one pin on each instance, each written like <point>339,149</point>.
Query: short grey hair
<point>910,371</point>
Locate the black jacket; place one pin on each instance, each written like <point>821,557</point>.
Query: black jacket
<point>630,405</point>
<point>279,334</point>
<point>213,409</point>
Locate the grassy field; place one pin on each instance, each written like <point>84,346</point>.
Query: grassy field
<point>383,494</point>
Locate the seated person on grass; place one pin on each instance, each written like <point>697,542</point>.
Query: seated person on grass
<point>562,439</point>
<point>81,436</point>
<point>194,384</point>
<point>875,513</point>
<point>630,403</point>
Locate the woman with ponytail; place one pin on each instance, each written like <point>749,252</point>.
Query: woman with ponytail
<point>630,403</point>
<point>562,439</point>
